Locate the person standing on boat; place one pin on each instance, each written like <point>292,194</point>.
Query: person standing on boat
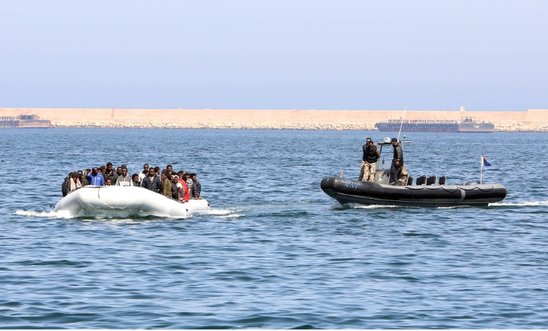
<point>369,161</point>
<point>166,184</point>
<point>196,188</point>
<point>143,173</point>
<point>95,178</point>
<point>110,173</point>
<point>151,182</point>
<point>397,162</point>
<point>124,179</point>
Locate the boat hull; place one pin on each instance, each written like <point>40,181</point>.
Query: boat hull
<point>347,191</point>
<point>125,201</point>
<point>420,126</point>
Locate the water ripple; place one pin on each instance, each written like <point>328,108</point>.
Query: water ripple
<point>274,251</point>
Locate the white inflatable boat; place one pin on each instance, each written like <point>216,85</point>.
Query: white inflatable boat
<point>125,201</point>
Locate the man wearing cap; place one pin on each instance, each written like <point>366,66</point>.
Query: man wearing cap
<point>397,162</point>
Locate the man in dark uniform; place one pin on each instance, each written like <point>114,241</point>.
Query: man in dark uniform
<point>369,161</point>
<point>397,162</point>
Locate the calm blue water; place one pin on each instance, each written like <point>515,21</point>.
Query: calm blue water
<point>275,251</point>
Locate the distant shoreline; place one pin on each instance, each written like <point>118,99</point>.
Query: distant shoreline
<point>532,120</point>
<point>239,126</point>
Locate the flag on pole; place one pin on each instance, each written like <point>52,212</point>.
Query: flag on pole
<point>486,162</point>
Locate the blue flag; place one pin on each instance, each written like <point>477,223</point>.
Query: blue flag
<point>486,162</point>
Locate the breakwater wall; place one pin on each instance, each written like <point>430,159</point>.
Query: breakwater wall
<point>530,120</point>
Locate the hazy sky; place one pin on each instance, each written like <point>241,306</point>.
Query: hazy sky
<point>259,54</point>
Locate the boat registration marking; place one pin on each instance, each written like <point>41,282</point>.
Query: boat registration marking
<point>350,184</point>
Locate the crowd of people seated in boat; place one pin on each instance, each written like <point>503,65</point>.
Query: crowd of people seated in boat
<point>180,185</point>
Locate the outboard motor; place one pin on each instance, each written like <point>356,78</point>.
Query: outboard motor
<point>443,180</point>
<point>431,180</point>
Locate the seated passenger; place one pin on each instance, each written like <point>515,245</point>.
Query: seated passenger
<point>136,181</point>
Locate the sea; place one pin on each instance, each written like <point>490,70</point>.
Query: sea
<point>274,251</point>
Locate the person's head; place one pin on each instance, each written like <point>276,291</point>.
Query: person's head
<point>175,178</point>
<point>80,172</point>
<point>151,172</point>
<point>193,176</point>
<point>157,169</point>
<point>394,141</point>
<point>184,176</point>
<point>135,177</point>
<point>145,167</point>
<point>367,140</point>
<point>109,166</point>
<point>108,182</point>
<point>102,169</point>
<point>73,175</point>
<point>169,167</point>
<point>124,172</point>
<point>94,171</point>
<point>87,171</point>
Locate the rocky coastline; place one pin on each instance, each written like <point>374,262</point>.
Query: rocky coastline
<point>253,126</point>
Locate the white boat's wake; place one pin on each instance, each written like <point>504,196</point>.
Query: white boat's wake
<point>224,213</point>
<point>63,214</point>
<point>521,204</point>
<point>358,206</point>
<point>43,214</point>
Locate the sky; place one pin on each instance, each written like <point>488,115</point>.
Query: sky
<point>282,54</point>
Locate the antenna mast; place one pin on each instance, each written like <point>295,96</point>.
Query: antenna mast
<point>401,123</point>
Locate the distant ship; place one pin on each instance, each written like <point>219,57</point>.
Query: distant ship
<point>467,124</point>
<point>24,121</point>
